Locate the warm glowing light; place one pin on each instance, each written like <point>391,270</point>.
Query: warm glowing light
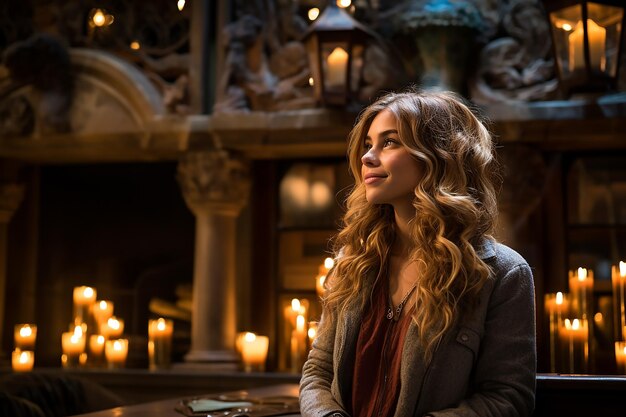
<point>300,323</point>
<point>344,3</point>
<point>249,337</point>
<point>161,324</point>
<point>329,263</point>
<point>295,304</point>
<point>98,18</point>
<point>113,323</point>
<point>559,298</point>
<point>135,45</point>
<point>181,5</point>
<point>598,317</point>
<point>26,331</point>
<point>567,27</point>
<point>311,333</point>
<point>313,13</point>
<point>337,67</point>
<point>582,274</point>
<point>622,268</point>
<point>311,81</point>
<point>78,331</point>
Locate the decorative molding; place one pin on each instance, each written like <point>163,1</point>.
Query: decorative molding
<point>214,182</point>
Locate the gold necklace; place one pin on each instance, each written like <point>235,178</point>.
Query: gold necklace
<point>398,312</point>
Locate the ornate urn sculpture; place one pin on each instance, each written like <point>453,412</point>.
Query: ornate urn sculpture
<point>444,32</point>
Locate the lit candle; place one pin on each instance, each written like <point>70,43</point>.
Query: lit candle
<point>620,357</point>
<point>298,344</point>
<point>312,332</point>
<point>581,289</point>
<point>22,360</point>
<point>102,311</point>
<point>337,68</point>
<point>116,352</point>
<point>597,46</point>
<point>73,344</point>
<point>84,297</point>
<point>160,342</point>
<point>96,348</point>
<point>113,328</point>
<point>254,352</point>
<point>321,276</point>
<point>575,333</point>
<point>25,336</point>
<point>618,279</point>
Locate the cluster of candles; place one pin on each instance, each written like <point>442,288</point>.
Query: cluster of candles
<point>95,337</point>
<point>95,334</point>
<point>570,315</point>
<point>23,357</point>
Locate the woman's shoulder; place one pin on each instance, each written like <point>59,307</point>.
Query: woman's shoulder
<point>503,259</point>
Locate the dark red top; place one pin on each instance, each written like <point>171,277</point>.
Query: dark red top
<point>376,383</point>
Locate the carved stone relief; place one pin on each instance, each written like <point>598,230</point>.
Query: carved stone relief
<point>213,179</point>
<point>518,65</point>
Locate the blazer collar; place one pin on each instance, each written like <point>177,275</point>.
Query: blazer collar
<point>486,249</point>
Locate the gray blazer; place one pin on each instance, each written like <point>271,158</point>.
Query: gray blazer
<point>484,366</point>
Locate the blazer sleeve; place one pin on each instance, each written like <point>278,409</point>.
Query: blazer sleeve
<point>505,371</point>
<point>316,396</point>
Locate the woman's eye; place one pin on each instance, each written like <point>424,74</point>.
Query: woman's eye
<point>367,147</point>
<point>389,142</point>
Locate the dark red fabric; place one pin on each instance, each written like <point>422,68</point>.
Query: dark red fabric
<point>376,383</point>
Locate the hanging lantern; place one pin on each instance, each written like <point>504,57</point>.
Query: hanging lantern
<point>336,46</point>
<point>587,43</point>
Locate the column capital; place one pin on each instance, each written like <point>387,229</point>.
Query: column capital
<point>214,182</point>
<point>11,196</point>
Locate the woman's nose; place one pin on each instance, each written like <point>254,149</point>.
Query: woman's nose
<point>369,158</point>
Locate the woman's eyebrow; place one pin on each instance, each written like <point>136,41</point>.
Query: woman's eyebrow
<point>383,133</point>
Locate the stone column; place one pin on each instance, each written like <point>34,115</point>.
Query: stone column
<point>10,198</point>
<point>215,187</point>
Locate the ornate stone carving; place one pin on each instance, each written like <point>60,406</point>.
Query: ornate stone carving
<point>518,65</point>
<point>264,71</point>
<point>214,180</point>
<point>43,63</point>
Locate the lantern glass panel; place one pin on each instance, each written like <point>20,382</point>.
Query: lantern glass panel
<point>604,36</point>
<point>335,66</point>
<point>357,67</point>
<point>564,23</point>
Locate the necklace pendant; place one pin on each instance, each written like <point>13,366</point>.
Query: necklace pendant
<point>390,313</point>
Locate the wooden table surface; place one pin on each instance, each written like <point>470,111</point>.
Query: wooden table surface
<point>166,408</point>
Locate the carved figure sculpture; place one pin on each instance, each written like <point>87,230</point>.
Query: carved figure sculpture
<point>43,63</point>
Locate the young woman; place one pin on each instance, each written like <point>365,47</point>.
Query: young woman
<point>424,313</point>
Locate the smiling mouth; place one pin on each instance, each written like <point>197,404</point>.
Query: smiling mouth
<point>372,179</point>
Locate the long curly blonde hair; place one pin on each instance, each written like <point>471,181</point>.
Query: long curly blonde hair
<point>455,209</point>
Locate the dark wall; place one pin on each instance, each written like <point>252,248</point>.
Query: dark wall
<point>105,226</point>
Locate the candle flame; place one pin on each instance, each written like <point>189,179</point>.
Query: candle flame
<point>98,18</point>
<point>582,274</point>
<point>88,292</point>
<point>313,13</point>
<point>75,339</point>
<point>78,331</point>
<point>344,3</point>
<point>117,345</point>
<point>26,331</point>
<point>102,305</point>
<point>300,322</point>
<point>311,333</point>
<point>622,268</point>
<point>575,324</point>
<point>311,81</point>
<point>181,5</point>
<point>24,356</point>
<point>161,324</point>
<point>329,263</point>
<point>249,337</point>
<point>113,323</point>
<point>295,304</point>
<point>559,298</point>
<point>322,280</point>
<point>568,324</point>
<point>100,339</point>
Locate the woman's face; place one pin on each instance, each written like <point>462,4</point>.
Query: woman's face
<point>390,173</point>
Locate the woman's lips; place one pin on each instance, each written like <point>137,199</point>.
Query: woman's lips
<point>372,179</point>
